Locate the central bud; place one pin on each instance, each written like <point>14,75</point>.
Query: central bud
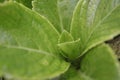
<point>69,48</point>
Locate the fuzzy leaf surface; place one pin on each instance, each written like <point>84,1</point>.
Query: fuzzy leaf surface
<point>95,21</point>
<point>59,12</point>
<point>28,49</point>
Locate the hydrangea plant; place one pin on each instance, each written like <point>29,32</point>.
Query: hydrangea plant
<point>46,39</point>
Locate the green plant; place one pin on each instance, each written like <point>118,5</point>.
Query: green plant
<point>59,37</point>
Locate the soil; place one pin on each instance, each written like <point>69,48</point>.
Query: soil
<point>115,45</point>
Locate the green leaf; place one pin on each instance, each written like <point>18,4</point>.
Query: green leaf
<point>28,49</point>
<point>98,64</point>
<point>59,12</point>
<point>66,8</point>
<point>27,3</point>
<point>28,28</point>
<point>71,49</point>
<point>95,21</point>
<point>27,64</point>
<point>49,9</point>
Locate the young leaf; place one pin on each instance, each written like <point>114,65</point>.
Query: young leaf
<point>59,12</point>
<point>68,47</point>
<point>65,37</point>
<point>98,64</point>
<point>95,21</point>
<point>71,49</point>
<point>28,49</point>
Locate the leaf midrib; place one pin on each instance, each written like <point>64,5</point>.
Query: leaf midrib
<point>28,49</point>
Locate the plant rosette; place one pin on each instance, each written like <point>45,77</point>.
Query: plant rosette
<point>45,39</point>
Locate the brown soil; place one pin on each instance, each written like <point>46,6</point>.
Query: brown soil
<point>115,45</point>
